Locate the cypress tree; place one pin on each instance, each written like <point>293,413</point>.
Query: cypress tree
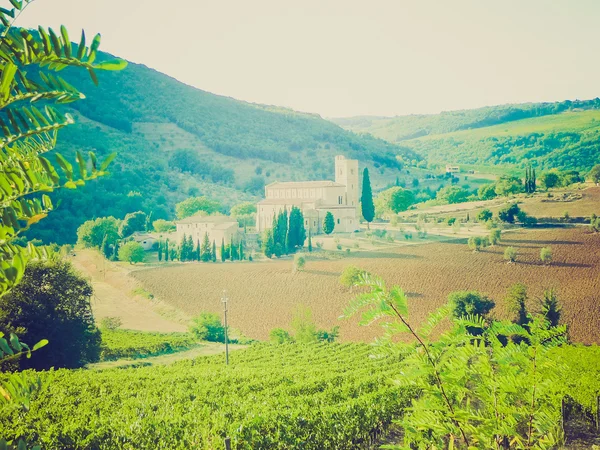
<point>160,250</point>
<point>231,251</point>
<point>183,248</point>
<point>366,199</point>
<point>527,185</point>
<point>309,241</point>
<point>205,253</point>
<point>167,250</point>
<point>115,255</point>
<point>222,249</point>
<point>268,245</point>
<point>214,252</point>
<point>190,248</point>
<point>533,182</point>
<point>241,251</point>
<point>328,223</point>
<point>296,232</point>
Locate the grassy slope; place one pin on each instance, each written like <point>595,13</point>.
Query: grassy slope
<point>560,135</point>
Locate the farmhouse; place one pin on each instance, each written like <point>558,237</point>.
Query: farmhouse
<point>315,199</point>
<point>147,241</point>
<point>217,227</point>
<point>452,169</point>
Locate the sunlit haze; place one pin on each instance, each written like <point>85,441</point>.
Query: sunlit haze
<point>345,58</point>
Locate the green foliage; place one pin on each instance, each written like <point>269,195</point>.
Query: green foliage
<point>546,255</point>
<point>452,194</point>
<point>208,327</point>
<point>133,222</point>
<point>110,323</point>
<point>328,223</point>
<point>509,213</point>
<point>299,263</point>
<point>268,243</point>
<point>594,174</point>
<point>551,308</point>
<point>508,185</point>
<point>280,336</point>
<point>207,400</point>
<point>163,226</point>
<point>393,200</point>
<point>296,233</point>
<point>476,390</point>
<point>58,310</point>
<point>366,198</point>
<point>351,276</point>
<point>130,344</point>
<point>132,252</point>
<point>469,303</point>
<point>495,236</point>
<point>510,254</point>
<point>194,205</point>
<point>477,242</point>
<point>484,215</point>
<point>305,330</point>
<point>206,249</point>
<point>243,209</point>
<point>92,232</point>
<point>516,302</point>
<point>487,192</point>
<point>550,179</point>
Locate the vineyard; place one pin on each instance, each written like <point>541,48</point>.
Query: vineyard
<point>326,396</point>
<point>330,396</point>
<point>118,344</point>
<point>263,295</point>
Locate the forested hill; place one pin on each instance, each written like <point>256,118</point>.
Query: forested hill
<point>563,134</point>
<point>174,140</point>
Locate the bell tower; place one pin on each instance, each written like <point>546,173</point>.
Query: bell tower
<point>346,173</point>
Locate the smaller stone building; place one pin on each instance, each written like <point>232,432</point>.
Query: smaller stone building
<point>217,227</point>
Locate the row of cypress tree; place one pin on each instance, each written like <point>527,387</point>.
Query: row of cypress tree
<point>205,251</point>
<point>287,235</point>
<point>530,180</point>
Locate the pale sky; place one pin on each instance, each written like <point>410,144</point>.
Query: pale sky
<point>345,57</point>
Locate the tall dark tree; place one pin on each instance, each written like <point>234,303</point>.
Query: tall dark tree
<point>366,199</point>
<point>328,223</point>
<point>160,251</point>
<point>223,256</point>
<point>197,251</point>
<point>106,247</point>
<point>205,250</point>
<point>115,254</point>
<point>214,252</point>
<point>296,234</point>
<point>533,181</point>
<point>281,231</point>
<point>167,250</point>
<point>241,250</point>
<point>310,247</point>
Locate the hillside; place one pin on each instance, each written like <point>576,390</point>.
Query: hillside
<point>174,141</point>
<point>547,135</point>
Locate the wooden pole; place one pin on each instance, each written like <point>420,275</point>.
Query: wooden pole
<point>598,413</point>
<point>227,443</point>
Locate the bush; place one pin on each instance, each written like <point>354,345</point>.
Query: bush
<point>546,255</point>
<point>495,236</point>
<point>52,302</point>
<point>508,213</point>
<point>350,276</point>
<point>93,232</point>
<point>280,336</point>
<point>475,243</point>
<point>111,323</point>
<point>208,327</point>
<point>551,308</point>
<point>510,254</point>
<point>484,215</point>
<point>132,252</point>
<point>468,303</point>
<point>299,262</point>
<point>451,221</point>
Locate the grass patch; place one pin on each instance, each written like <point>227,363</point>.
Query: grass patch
<point>119,344</point>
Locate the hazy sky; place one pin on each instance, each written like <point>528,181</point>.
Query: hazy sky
<point>346,57</point>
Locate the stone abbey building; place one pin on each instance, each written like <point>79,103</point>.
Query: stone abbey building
<point>315,199</point>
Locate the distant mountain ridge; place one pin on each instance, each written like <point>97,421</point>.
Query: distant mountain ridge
<point>562,134</point>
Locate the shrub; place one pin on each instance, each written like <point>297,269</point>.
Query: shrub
<point>508,213</point>
<point>484,215</point>
<point>280,336</point>
<point>111,323</point>
<point>350,276</point>
<point>515,300</point>
<point>132,252</point>
<point>510,254</point>
<point>475,243</point>
<point>208,327</point>
<point>451,221</point>
<point>495,236</point>
<point>299,262</point>
<point>305,331</point>
<point>546,255</point>
<point>53,302</point>
<point>551,308</point>
<point>468,303</point>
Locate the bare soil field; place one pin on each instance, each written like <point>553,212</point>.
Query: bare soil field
<point>263,295</point>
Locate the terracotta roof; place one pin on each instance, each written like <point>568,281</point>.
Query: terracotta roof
<point>304,184</point>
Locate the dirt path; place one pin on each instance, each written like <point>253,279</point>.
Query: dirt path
<point>205,349</point>
<point>114,296</point>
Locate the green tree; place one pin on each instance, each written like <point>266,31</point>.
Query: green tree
<point>115,255</point>
<point>280,233</point>
<point>546,255</point>
<point>495,236</point>
<point>516,303</point>
<point>245,213</point>
<point>296,232</point>
<point>223,256</point>
<point>160,251</point>
<point>132,252</point>
<point>550,179</point>
<point>167,250</point>
<point>208,327</point>
<point>299,263</point>
<point>594,174</point>
<point>214,252</point>
<point>92,232</point>
<point>469,303</point>
<point>484,215</point>
<point>205,250</point>
<point>328,223</point>
<point>366,199</point>
<point>280,336</point>
<point>510,254</point>
<point>57,309</point>
<point>452,194</point>
<point>163,226</point>
<point>305,330</point>
<point>509,185</point>
<point>551,308</point>
<point>310,246</point>
<point>394,200</point>
<point>106,248</point>
<point>487,192</point>
<point>268,243</point>
<point>133,222</point>
<point>509,212</point>
<point>351,276</point>
<point>194,205</point>
<point>475,243</point>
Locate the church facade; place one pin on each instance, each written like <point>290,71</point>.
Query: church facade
<point>315,199</point>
